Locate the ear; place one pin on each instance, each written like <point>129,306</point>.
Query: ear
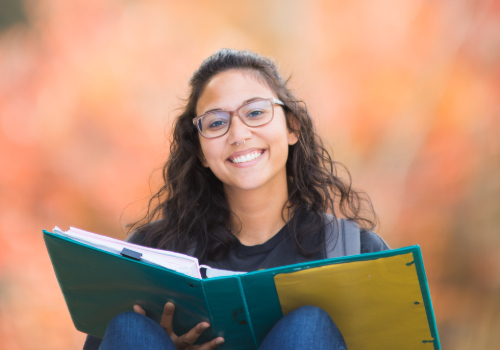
<point>292,137</point>
<point>293,132</point>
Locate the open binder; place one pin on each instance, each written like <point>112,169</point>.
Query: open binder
<point>378,300</point>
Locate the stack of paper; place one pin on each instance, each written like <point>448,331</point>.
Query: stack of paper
<point>174,261</point>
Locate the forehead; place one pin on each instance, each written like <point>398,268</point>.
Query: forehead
<point>230,89</point>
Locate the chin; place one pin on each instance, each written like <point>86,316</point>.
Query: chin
<point>246,185</point>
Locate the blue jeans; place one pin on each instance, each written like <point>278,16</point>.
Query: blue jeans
<point>308,327</point>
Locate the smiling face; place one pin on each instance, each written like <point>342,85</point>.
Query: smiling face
<point>259,162</point>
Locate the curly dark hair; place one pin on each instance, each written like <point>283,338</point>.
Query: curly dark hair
<point>191,207</point>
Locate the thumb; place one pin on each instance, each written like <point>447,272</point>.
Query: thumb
<point>139,310</point>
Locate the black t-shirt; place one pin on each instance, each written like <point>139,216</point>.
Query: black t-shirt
<point>279,250</point>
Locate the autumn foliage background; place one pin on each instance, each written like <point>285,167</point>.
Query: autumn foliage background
<point>407,93</point>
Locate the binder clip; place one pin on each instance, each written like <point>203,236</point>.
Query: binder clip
<point>131,254</point>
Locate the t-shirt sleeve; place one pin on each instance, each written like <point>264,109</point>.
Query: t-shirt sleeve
<point>92,343</point>
<point>371,242</point>
<point>136,238</point>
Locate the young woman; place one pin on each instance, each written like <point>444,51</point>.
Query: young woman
<point>247,186</point>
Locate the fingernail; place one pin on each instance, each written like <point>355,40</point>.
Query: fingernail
<point>219,341</point>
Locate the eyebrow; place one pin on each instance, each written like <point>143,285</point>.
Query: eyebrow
<point>244,102</point>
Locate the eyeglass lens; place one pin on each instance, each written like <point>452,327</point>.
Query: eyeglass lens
<point>255,113</point>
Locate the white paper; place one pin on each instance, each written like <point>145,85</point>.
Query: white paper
<point>211,272</point>
<point>174,261</point>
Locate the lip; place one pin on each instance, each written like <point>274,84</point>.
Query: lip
<point>246,164</point>
<point>241,153</point>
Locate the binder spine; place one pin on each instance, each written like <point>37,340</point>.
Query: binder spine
<point>230,313</point>
<point>212,323</point>
<point>245,305</point>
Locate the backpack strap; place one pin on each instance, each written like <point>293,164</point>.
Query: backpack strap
<point>342,239</point>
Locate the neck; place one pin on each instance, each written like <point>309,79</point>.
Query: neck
<point>257,214</point>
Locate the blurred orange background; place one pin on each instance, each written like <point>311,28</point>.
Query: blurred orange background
<point>406,93</point>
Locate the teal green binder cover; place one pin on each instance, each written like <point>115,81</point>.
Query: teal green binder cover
<point>382,296</point>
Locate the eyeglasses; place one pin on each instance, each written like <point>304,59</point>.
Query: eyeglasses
<point>254,113</point>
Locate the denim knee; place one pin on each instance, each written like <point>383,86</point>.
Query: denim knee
<point>131,330</point>
<point>312,314</point>
<point>307,327</point>
<point>128,322</point>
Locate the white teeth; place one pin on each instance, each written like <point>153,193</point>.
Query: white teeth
<point>248,157</point>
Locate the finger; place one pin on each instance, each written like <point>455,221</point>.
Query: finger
<point>212,344</point>
<point>139,310</point>
<point>190,337</point>
<point>166,318</point>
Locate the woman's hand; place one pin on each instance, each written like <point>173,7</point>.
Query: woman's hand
<point>185,341</point>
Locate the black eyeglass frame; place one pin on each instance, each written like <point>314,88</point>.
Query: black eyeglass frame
<point>273,101</point>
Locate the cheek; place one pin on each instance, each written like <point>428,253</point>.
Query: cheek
<point>210,152</point>
<point>281,136</point>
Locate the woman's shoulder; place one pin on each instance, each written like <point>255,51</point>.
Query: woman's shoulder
<point>141,234</point>
<point>372,242</point>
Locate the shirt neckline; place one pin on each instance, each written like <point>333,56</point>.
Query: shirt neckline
<point>265,247</point>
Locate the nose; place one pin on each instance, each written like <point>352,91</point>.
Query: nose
<point>238,131</point>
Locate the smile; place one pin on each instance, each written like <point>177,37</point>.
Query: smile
<point>246,157</point>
